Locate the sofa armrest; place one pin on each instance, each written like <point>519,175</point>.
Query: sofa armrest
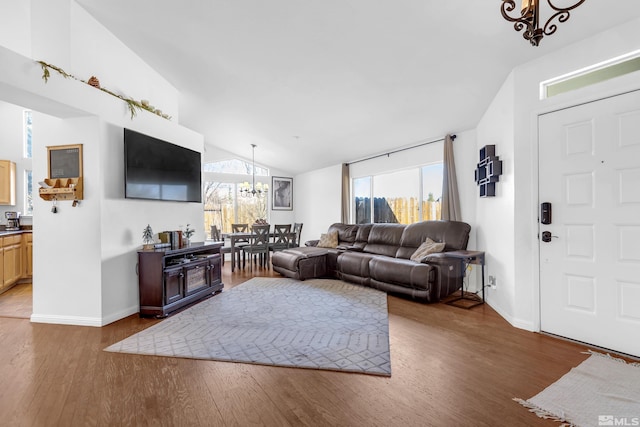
<point>353,248</point>
<point>311,242</point>
<point>449,272</point>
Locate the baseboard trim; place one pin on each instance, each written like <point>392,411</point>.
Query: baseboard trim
<point>513,321</point>
<point>66,320</point>
<point>84,321</point>
<point>114,317</point>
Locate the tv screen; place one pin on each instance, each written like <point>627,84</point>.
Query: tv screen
<point>158,170</point>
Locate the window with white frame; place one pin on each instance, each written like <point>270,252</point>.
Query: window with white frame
<point>404,196</point>
<point>28,193</point>
<point>27,148</point>
<point>225,202</point>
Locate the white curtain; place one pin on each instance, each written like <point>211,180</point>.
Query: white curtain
<point>450,197</point>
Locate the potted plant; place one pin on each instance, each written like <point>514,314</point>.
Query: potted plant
<point>147,238</point>
<point>187,233</point>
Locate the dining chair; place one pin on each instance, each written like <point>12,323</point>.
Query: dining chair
<point>215,234</point>
<point>216,237</point>
<point>240,243</point>
<point>281,237</point>
<point>297,230</point>
<point>258,245</point>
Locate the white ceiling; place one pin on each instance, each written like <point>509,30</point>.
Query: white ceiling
<point>317,83</point>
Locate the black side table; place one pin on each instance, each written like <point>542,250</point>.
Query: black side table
<point>467,257</point>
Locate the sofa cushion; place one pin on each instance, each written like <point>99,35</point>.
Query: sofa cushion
<point>401,272</point>
<point>427,248</point>
<point>354,263</point>
<point>455,234</point>
<point>362,236</point>
<point>346,233</point>
<point>328,240</point>
<point>384,239</point>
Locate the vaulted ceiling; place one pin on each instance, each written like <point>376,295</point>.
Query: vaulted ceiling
<point>317,83</point>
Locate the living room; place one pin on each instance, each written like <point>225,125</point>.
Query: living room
<point>84,262</point>
<point>504,227</point>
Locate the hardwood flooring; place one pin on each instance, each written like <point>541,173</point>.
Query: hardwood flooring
<point>450,367</point>
<point>17,301</point>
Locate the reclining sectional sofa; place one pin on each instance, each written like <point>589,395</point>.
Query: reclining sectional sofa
<point>379,256</point>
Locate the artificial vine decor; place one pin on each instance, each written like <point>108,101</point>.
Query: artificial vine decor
<point>134,106</point>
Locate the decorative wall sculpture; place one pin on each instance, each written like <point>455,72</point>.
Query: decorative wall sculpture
<point>488,171</point>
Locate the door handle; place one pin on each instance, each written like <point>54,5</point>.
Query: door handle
<point>547,236</point>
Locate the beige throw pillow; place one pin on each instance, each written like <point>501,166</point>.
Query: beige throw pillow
<point>428,247</point>
<point>328,240</point>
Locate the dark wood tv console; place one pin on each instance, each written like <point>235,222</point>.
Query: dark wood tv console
<point>170,279</point>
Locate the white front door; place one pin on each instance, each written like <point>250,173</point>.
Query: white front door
<point>589,170</point>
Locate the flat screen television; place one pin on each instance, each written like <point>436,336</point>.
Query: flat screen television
<point>158,170</point>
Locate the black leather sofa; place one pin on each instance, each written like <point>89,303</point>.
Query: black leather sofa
<point>378,255</point>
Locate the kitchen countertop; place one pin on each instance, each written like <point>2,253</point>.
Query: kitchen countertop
<point>9,233</point>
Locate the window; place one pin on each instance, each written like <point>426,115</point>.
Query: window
<point>395,197</point>
<point>28,193</point>
<point>362,200</point>
<point>234,166</point>
<point>224,203</point>
<point>28,146</point>
<point>591,75</point>
<point>431,191</point>
<point>403,197</point>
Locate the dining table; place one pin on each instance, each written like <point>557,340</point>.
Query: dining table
<point>245,236</point>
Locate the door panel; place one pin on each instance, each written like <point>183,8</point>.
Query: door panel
<point>590,270</point>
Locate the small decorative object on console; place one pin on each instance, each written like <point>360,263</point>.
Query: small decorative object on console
<point>147,238</point>
<point>187,233</point>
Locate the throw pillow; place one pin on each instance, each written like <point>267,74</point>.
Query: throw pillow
<point>328,240</point>
<point>428,247</point>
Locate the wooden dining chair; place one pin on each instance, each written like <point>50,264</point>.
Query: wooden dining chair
<point>258,246</point>
<point>281,237</point>
<point>297,230</point>
<point>240,243</point>
<point>216,237</point>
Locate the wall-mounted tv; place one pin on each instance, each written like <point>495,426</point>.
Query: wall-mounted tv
<point>158,170</point>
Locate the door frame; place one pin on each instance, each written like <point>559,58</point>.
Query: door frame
<point>599,91</point>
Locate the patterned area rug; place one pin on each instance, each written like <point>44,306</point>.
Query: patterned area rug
<point>317,324</point>
<point>601,391</point>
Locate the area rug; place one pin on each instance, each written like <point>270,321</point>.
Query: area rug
<point>601,391</point>
<point>317,324</point>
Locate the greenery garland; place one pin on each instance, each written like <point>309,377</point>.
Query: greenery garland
<point>133,105</point>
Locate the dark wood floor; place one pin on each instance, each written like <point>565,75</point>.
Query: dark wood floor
<point>450,367</point>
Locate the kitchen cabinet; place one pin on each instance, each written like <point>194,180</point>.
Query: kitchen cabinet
<point>12,246</point>
<point>7,182</point>
<point>27,239</point>
<point>16,260</point>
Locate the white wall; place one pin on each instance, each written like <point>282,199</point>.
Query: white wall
<point>122,220</point>
<point>511,123</point>
<point>15,25</point>
<point>66,245</point>
<point>317,200</point>
<point>494,215</point>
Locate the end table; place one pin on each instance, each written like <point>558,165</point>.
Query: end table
<point>467,257</point>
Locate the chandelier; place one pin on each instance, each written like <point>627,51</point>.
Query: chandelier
<point>529,19</point>
<point>254,190</point>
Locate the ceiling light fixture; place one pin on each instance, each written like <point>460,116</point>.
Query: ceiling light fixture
<point>254,190</point>
<point>529,18</point>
